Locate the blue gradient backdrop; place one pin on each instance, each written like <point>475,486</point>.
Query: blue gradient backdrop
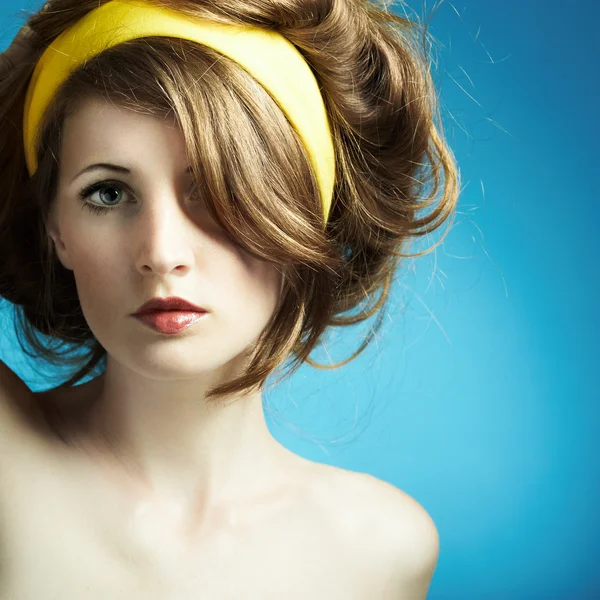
<point>478,398</point>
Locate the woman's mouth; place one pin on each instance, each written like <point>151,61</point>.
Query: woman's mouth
<point>170,321</point>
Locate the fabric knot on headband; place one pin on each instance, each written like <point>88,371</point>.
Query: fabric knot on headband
<point>267,55</point>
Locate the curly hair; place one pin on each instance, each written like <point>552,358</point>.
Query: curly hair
<point>392,163</point>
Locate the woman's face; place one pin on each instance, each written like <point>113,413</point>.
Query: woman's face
<point>155,238</point>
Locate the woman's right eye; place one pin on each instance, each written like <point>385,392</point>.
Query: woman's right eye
<point>101,186</point>
<point>96,187</point>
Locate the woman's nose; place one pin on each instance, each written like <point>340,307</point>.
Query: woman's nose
<point>163,235</point>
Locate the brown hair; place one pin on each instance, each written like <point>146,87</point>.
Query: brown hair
<point>392,162</point>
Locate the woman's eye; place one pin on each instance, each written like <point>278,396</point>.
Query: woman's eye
<point>101,186</point>
<point>106,202</point>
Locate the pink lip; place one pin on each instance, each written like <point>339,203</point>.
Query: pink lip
<point>170,321</point>
<point>170,303</point>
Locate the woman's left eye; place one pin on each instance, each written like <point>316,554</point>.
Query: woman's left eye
<point>88,191</point>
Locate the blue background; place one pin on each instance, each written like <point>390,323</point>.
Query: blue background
<point>478,397</point>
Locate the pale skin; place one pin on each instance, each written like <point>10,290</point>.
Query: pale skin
<point>159,240</point>
<point>156,494</point>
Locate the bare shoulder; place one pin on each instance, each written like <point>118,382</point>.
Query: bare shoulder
<point>392,533</point>
<point>19,413</point>
<point>35,416</point>
<point>364,501</point>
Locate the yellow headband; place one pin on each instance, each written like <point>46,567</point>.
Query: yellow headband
<point>267,55</point>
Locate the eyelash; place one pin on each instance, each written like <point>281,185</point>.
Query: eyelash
<point>86,192</point>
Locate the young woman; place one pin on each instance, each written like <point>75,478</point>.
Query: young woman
<point>268,163</point>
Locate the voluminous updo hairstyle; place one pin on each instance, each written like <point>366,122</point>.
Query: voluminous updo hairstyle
<point>392,164</point>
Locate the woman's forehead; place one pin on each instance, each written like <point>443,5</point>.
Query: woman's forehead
<point>101,132</point>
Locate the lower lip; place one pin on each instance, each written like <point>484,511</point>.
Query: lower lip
<point>170,321</point>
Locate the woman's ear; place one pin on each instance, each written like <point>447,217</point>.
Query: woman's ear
<point>54,237</point>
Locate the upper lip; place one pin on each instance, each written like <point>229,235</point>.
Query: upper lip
<point>170,303</point>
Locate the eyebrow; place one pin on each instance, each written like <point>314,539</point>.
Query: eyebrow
<point>111,167</point>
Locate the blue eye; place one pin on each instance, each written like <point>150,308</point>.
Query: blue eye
<point>95,187</point>
<point>86,192</point>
